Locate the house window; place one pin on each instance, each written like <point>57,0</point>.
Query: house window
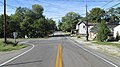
<point>83,26</point>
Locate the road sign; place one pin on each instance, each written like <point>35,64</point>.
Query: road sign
<point>15,35</point>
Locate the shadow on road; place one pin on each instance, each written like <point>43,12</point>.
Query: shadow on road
<point>22,63</point>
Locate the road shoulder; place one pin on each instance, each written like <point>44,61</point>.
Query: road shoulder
<point>99,52</point>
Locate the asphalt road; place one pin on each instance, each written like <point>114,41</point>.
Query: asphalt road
<point>45,51</point>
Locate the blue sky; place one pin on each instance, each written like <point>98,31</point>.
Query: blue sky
<point>58,8</point>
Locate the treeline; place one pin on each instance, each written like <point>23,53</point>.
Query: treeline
<point>96,15</point>
<point>30,22</point>
<point>69,21</point>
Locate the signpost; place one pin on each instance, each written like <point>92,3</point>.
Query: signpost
<point>15,35</point>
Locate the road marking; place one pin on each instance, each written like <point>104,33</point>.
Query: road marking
<point>18,55</point>
<point>23,42</point>
<point>60,49</point>
<point>96,55</point>
<point>59,57</point>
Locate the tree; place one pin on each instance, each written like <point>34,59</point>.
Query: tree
<point>8,24</point>
<point>96,15</point>
<point>52,25</point>
<point>1,26</point>
<point>69,21</point>
<point>26,26</point>
<point>103,31</point>
<point>30,22</point>
<point>60,25</point>
<point>41,27</point>
<point>113,15</point>
<point>37,10</point>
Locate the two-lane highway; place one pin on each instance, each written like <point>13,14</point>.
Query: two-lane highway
<point>45,53</point>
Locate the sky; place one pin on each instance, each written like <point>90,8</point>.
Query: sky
<point>56,9</point>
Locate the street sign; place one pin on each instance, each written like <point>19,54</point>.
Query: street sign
<point>15,35</point>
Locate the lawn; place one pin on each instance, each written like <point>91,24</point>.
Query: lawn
<point>10,47</point>
<point>107,43</point>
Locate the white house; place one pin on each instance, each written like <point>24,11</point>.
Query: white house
<point>116,31</point>
<point>112,25</point>
<point>81,27</point>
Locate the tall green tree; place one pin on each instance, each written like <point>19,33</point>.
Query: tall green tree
<point>8,28</point>
<point>113,15</point>
<point>103,31</point>
<point>30,22</point>
<point>96,15</point>
<point>59,25</point>
<point>52,25</point>
<point>37,10</point>
<point>69,21</point>
<point>1,26</point>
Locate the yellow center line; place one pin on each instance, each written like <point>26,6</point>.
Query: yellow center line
<point>56,64</point>
<point>59,57</point>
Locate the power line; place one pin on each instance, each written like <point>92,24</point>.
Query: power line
<point>55,6</point>
<point>89,0</point>
<point>107,3</point>
<point>12,7</point>
<point>113,6</point>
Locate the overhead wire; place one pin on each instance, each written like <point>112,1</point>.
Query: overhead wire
<point>107,3</point>
<point>59,7</point>
<point>113,6</point>
<point>12,7</point>
<point>55,6</point>
<point>88,0</point>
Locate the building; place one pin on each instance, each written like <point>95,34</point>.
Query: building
<point>93,28</point>
<point>111,26</point>
<point>116,31</point>
<point>81,27</point>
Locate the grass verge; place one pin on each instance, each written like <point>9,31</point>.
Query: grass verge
<point>10,47</point>
<point>108,43</point>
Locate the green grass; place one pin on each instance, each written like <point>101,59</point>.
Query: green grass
<point>10,47</point>
<point>107,43</point>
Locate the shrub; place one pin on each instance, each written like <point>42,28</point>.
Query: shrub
<point>78,36</point>
<point>103,32</point>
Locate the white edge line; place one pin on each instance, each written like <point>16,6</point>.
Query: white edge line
<point>18,55</point>
<point>96,55</point>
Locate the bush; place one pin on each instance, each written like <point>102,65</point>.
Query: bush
<point>78,36</point>
<point>103,32</point>
<point>10,43</point>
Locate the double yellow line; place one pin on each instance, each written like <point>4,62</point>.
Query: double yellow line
<point>59,62</point>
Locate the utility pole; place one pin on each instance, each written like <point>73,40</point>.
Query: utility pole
<point>86,24</point>
<point>5,21</point>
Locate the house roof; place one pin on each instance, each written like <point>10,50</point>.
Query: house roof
<point>117,26</point>
<point>89,24</point>
<point>92,24</point>
<point>112,23</point>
